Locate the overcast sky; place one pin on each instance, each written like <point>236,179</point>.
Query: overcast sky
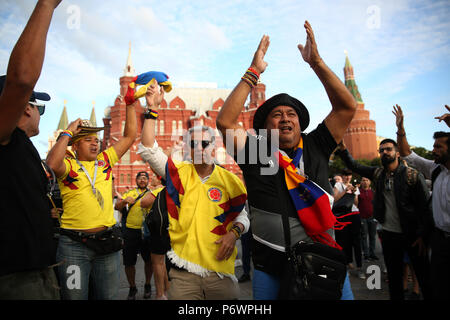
<point>399,50</point>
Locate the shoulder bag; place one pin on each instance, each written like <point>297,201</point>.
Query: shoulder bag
<point>314,271</point>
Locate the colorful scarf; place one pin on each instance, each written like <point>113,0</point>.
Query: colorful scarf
<point>310,201</point>
<point>146,79</point>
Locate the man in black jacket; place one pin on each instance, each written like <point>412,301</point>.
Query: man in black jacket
<point>400,205</point>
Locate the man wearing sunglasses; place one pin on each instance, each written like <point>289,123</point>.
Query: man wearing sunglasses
<point>27,249</point>
<point>205,210</point>
<point>401,207</point>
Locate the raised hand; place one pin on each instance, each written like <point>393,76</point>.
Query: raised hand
<point>398,116</point>
<point>445,117</point>
<point>309,52</point>
<point>74,126</point>
<point>258,62</point>
<point>154,95</point>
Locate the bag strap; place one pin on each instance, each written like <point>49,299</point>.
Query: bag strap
<point>284,216</point>
<point>136,200</point>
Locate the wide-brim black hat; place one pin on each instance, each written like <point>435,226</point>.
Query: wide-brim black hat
<point>282,99</point>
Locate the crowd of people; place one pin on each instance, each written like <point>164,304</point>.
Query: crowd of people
<point>186,231</point>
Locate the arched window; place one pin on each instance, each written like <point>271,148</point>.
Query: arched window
<point>180,127</point>
<point>161,127</point>
<point>174,127</point>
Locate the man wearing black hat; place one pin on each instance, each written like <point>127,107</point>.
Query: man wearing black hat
<point>287,118</point>
<point>26,229</point>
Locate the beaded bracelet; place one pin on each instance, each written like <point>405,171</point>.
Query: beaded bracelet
<point>66,133</point>
<point>237,231</point>
<point>151,114</point>
<point>236,234</point>
<point>251,77</point>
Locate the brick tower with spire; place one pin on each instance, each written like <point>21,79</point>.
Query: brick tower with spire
<point>360,137</point>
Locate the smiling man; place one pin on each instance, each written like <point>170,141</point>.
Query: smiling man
<point>88,239</point>
<point>205,212</point>
<point>286,118</point>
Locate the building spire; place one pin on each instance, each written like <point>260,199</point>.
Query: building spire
<point>93,119</point>
<point>129,69</point>
<point>63,120</point>
<point>350,79</point>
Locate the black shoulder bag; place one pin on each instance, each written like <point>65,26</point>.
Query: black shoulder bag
<point>314,271</point>
<point>157,222</point>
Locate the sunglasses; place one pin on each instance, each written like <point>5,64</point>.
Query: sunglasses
<point>40,107</point>
<point>388,149</point>
<point>195,143</point>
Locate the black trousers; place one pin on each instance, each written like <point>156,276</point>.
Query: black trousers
<point>440,265</point>
<point>246,251</point>
<point>394,247</point>
<point>349,238</point>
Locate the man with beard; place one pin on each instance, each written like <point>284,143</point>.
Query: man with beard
<point>438,172</point>
<point>400,206</point>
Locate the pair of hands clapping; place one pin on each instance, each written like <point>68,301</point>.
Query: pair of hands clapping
<point>309,51</point>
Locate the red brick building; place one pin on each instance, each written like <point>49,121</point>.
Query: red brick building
<point>181,109</point>
<point>185,107</point>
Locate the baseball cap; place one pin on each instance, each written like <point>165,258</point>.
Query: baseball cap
<point>43,96</point>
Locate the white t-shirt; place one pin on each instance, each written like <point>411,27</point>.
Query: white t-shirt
<point>341,187</point>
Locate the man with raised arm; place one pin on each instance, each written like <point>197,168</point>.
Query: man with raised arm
<point>400,206</point>
<point>26,230</point>
<point>205,212</point>
<point>85,182</point>
<point>309,153</point>
<point>439,172</point>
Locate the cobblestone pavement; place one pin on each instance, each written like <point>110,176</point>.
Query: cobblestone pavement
<point>360,287</point>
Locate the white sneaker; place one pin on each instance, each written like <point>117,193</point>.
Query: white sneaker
<point>361,275</point>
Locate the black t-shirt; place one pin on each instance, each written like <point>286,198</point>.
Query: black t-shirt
<point>26,234</point>
<point>262,190</point>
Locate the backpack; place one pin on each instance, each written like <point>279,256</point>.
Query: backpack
<point>157,222</point>
<point>411,175</point>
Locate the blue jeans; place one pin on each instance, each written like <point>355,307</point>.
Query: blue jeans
<point>368,232</point>
<point>81,263</point>
<point>266,286</point>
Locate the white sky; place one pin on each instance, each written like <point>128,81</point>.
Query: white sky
<point>399,50</point>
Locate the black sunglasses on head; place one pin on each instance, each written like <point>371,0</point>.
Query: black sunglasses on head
<point>195,143</point>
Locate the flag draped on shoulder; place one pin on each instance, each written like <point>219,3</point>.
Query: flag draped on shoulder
<point>311,201</point>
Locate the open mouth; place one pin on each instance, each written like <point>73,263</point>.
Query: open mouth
<point>286,129</point>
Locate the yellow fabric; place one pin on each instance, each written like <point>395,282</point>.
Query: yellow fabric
<point>156,191</point>
<point>167,86</point>
<point>81,208</point>
<point>136,215</point>
<point>190,235</point>
<point>143,89</point>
